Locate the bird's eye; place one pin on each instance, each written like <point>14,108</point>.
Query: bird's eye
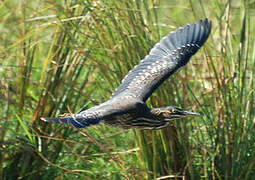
<point>173,111</point>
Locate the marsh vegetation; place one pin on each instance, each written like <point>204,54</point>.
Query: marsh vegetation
<point>65,56</point>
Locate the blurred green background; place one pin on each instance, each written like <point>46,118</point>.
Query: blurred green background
<point>65,56</point>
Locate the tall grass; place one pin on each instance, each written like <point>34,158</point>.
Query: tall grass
<point>67,56</point>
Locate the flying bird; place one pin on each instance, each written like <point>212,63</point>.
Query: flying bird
<point>127,107</point>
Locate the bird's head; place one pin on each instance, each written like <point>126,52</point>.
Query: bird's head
<point>172,112</point>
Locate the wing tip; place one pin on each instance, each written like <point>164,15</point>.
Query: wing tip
<point>79,122</point>
<point>48,119</point>
<point>199,30</point>
<point>45,119</point>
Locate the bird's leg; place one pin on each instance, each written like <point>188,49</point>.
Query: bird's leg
<point>171,112</point>
<point>65,114</point>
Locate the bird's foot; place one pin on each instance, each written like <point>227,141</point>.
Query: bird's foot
<point>65,114</point>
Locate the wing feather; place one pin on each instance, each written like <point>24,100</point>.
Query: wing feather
<point>92,116</point>
<point>166,57</point>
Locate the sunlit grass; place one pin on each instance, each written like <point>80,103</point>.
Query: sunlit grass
<point>59,57</point>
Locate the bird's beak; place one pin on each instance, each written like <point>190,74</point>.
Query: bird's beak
<point>188,113</point>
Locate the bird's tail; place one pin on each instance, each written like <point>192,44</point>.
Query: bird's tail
<point>76,121</point>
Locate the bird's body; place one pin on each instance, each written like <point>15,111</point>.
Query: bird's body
<point>127,108</point>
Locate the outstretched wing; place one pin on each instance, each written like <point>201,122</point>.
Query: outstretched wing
<point>166,57</point>
<point>77,120</point>
<point>85,118</point>
<point>95,115</point>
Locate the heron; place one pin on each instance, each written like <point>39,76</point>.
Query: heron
<point>127,107</point>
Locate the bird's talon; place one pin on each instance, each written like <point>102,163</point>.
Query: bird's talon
<point>65,115</point>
